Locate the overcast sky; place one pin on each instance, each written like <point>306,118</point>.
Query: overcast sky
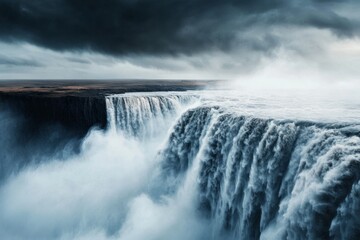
<point>295,42</point>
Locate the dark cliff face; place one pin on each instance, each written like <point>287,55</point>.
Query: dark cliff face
<point>77,114</point>
<point>41,128</point>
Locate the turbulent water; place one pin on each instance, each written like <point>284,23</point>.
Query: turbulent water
<point>198,165</point>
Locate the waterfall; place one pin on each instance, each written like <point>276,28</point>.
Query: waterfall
<point>266,178</point>
<point>256,178</point>
<point>188,165</point>
<point>144,115</point>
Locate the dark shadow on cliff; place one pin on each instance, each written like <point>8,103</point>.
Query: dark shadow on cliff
<point>26,140</point>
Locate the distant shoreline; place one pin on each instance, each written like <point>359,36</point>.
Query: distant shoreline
<point>97,88</point>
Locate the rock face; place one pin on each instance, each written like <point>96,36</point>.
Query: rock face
<point>76,113</point>
<point>38,128</point>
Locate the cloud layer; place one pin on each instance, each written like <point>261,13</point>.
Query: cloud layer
<point>120,27</point>
<point>288,40</point>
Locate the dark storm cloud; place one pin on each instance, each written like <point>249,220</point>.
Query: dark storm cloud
<point>16,62</point>
<point>154,27</point>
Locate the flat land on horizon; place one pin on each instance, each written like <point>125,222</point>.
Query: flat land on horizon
<point>88,88</point>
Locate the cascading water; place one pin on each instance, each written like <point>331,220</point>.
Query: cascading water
<point>144,115</point>
<point>261,178</point>
<point>197,165</point>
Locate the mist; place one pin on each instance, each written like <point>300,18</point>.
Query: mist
<point>108,190</point>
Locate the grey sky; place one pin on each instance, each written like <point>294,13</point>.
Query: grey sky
<point>259,42</point>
